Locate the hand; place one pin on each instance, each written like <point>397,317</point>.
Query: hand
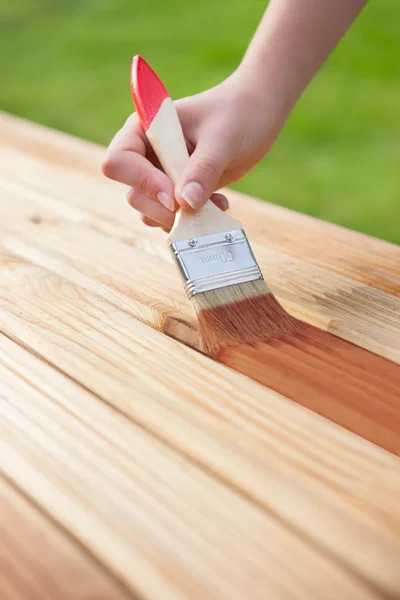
<point>227,130</point>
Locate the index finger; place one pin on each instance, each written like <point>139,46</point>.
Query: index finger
<point>126,162</point>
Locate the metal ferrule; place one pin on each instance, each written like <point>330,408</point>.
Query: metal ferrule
<point>213,261</point>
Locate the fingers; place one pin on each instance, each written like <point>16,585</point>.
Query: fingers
<point>154,214</point>
<point>221,201</point>
<point>125,162</point>
<point>150,223</point>
<point>151,208</point>
<point>153,194</point>
<point>201,175</point>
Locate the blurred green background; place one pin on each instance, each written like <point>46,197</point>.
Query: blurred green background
<point>66,64</point>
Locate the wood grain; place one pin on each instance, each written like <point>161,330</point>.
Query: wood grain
<point>352,387</point>
<point>143,469</point>
<point>357,312</point>
<point>364,259</point>
<point>40,562</point>
<point>339,381</point>
<point>301,469</point>
<point>167,529</point>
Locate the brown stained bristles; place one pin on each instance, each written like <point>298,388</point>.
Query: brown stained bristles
<point>245,313</point>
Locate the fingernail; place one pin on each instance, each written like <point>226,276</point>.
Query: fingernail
<point>193,194</point>
<point>166,200</point>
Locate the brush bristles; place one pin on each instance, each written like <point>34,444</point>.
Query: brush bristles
<point>244,313</point>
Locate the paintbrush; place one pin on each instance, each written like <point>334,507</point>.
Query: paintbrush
<point>221,276</point>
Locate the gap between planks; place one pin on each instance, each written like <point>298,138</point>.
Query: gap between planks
<point>263,213</point>
<point>221,420</point>
<point>56,416</point>
<point>359,314</point>
<point>344,383</point>
<point>304,289</point>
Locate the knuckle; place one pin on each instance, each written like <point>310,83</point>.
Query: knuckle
<point>144,183</point>
<point>131,120</point>
<point>109,165</point>
<point>208,166</point>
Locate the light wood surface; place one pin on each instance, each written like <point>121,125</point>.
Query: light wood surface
<point>39,561</point>
<point>340,381</point>
<point>166,528</point>
<point>146,469</point>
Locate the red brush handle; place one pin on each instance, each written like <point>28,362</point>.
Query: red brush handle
<point>148,91</point>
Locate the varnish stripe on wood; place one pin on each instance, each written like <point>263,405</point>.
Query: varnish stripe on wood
<point>118,455</point>
<point>122,230</point>
<point>343,383</point>
<point>367,260</point>
<point>38,561</point>
<point>198,407</point>
<point>113,429</point>
<point>360,314</point>
<point>352,387</point>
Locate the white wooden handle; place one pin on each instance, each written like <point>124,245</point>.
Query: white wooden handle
<point>167,140</point>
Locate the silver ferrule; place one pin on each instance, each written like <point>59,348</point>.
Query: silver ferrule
<point>213,261</point>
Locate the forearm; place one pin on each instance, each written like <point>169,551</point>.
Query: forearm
<point>291,43</point>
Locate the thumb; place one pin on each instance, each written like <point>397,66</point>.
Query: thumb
<point>200,177</point>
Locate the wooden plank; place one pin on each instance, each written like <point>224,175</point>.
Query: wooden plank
<point>319,296</point>
<point>362,315</point>
<point>39,561</point>
<point>349,386</point>
<point>93,199</point>
<point>334,489</point>
<point>362,258</point>
<point>52,192</point>
<point>167,529</point>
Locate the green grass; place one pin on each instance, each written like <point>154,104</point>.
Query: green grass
<point>66,64</point>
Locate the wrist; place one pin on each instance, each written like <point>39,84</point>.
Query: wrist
<point>265,106</point>
<point>267,88</point>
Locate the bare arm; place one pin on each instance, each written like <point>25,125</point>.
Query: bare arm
<point>230,127</point>
<point>292,41</point>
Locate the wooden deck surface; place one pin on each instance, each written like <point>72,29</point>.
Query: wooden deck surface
<point>134,467</point>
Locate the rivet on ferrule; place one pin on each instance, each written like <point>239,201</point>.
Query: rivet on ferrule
<point>214,261</point>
